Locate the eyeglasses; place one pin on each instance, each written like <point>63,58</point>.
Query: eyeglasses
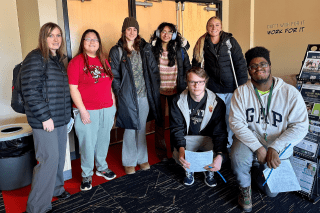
<point>255,66</point>
<point>200,83</point>
<point>165,32</point>
<point>89,40</point>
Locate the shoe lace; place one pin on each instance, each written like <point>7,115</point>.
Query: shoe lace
<point>189,175</point>
<point>107,171</point>
<point>245,192</point>
<point>210,175</point>
<point>86,180</point>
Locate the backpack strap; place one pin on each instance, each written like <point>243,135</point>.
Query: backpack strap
<point>120,53</point>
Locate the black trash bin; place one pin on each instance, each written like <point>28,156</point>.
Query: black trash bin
<point>17,157</point>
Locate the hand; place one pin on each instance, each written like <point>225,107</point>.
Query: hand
<point>261,155</point>
<point>273,160</point>
<point>85,117</point>
<point>48,125</point>
<point>216,164</point>
<point>185,164</point>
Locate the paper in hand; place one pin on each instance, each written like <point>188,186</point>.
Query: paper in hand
<point>283,178</point>
<point>198,160</point>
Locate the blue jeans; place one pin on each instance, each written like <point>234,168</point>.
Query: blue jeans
<point>243,160</point>
<point>226,97</point>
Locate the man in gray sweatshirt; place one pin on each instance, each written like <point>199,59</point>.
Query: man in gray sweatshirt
<point>266,116</point>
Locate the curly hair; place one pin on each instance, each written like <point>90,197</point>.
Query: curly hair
<point>256,52</point>
<point>172,47</point>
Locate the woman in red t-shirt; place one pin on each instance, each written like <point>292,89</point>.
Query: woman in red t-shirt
<point>90,80</point>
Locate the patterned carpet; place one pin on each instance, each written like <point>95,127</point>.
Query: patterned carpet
<point>160,189</point>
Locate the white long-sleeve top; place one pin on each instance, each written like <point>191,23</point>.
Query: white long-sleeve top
<point>287,120</point>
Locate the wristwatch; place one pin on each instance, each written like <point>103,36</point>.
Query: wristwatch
<point>221,154</point>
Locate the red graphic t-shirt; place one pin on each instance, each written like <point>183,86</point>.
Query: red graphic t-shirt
<point>94,86</point>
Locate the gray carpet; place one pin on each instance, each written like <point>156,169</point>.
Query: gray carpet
<point>160,189</point>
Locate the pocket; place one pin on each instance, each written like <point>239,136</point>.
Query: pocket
<point>114,110</point>
<point>75,112</point>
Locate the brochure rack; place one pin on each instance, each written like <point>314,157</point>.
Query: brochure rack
<point>306,158</point>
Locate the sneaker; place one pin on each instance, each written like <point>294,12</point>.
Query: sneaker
<point>129,170</point>
<point>86,184</point>
<point>189,179</point>
<point>107,174</point>
<point>244,199</point>
<point>209,179</point>
<point>145,166</point>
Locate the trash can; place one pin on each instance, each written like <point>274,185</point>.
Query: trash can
<point>17,157</point>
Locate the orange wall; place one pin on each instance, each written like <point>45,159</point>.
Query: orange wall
<point>106,17</point>
<point>149,18</point>
<point>239,26</point>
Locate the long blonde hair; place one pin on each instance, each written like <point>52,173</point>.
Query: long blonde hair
<point>44,33</point>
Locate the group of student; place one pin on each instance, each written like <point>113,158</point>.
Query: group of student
<point>134,83</point>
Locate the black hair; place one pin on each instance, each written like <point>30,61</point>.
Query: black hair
<point>257,52</point>
<point>173,45</point>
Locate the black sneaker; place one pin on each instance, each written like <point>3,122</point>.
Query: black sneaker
<point>107,174</point>
<point>86,184</point>
<point>189,179</point>
<point>209,179</point>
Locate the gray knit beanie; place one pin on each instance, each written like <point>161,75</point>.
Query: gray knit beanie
<point>130,22</point>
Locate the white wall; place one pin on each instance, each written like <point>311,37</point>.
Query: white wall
<point>16,41</point>
<point>10,55</point>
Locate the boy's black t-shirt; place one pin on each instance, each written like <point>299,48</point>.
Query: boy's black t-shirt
<point>197,116</point>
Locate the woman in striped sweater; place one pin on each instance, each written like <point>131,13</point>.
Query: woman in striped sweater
<point>170,51</point>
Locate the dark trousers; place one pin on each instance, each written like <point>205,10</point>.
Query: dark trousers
<point>47,181</point>
<point>160,143</point>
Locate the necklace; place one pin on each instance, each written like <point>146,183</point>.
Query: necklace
<point>265,114</point>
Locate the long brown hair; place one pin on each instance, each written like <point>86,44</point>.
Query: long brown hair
<point>100,53</point>
<point>136,44</point>
<point>44,33</point>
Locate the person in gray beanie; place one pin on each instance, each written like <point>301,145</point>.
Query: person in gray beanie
<point>136,84</point>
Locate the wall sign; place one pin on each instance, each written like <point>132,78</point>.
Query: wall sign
<point>286,28</point>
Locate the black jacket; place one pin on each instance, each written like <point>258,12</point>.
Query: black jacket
<point>183,66</point>
<point>125,90</point>
<point>217,64</point>
<point>213,124</point>
<point>35,81</point>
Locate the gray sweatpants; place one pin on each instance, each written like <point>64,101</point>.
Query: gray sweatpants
<point>94,139</point>
<point>194,143</point>
<point>245,165</point>
<point>134,146</point>
<point>47,181</point>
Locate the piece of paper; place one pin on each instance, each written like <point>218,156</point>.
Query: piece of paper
<point>305,171</point>
<point>283,178</point>
<point>198,160</point>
